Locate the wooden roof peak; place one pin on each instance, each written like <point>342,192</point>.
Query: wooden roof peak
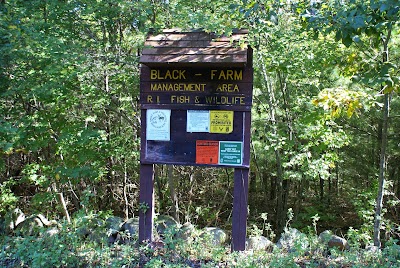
<point>197,47</point>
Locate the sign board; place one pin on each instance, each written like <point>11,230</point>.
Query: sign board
<point>195,98</point>
<point>178,88</point>
<point>202,104</point>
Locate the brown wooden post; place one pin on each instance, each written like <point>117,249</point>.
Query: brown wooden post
<point>146,203</point>
<point>239,217</point>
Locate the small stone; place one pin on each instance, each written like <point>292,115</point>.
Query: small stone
<point>259,243</point>
<point>186,232</point>
<point>338,242</point>
<point>164,222</point>
<point>291,237</point>
<point>325,236</point>
<point>218,236</point>
<point>30,226</point>
<point>131,227</point>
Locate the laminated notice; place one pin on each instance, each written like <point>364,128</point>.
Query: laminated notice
<point>198,121</point>
<point>158,125</point>
<point>221,122</point>
<point>207,152</point>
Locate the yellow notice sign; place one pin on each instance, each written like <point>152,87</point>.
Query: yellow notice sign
<point>221,121</point>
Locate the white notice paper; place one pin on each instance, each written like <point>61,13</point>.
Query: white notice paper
<point>198,121</point>
<point>158,125</point>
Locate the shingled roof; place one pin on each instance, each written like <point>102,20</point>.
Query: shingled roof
<point>174,47</point>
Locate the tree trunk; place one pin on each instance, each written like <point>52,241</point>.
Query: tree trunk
<point>382,162</point>
<point>382,172</point>
<point>281,187</point>
<point>321,188</point>
<point>173,195</point>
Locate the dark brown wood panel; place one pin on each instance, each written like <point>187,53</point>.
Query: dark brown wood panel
<point>190,43</point>
<point>198,74</point>
<point>199,88</point>
<point>181,149</point>
<point>165,59</point>
<point>194,37</point>
<point>177,100</point>
<point>193,51</point>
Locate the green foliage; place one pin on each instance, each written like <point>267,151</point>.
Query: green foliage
<point>68,248</point>
<point>368,26</point>
<point>8,199</point>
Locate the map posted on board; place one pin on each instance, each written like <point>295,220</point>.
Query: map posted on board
<point>158,125</point>
<point>221,122</point>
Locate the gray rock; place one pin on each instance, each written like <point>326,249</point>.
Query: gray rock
<point>12,219</point>
<point>186,232</point>
<point>372,249</point>
<point>325,236</point>
<point>45,221</point>
<point>217,235</point>
<point>259,243</point>
<point>50,232</point>
<point>131,227</point>
<point>83,231</point>
<point>164,222</point>
<point>113,224</point>
<point>29,227</point>
<point>291,239</point>
<point>338,242</point>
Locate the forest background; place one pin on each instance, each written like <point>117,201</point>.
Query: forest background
<point>325,129</point>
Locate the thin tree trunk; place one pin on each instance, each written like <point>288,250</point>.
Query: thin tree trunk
<point>382,162</point>
<point>280,200</point>
<point>61,200</point>
<point>382,173</point>
<point>125,191</point>
<point>329,189</point>
<point>173,195</point>
<point>321,188</point>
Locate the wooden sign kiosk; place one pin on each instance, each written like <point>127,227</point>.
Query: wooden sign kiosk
<point>196,97</point>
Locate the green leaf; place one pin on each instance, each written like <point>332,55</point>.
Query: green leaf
<point>347,40</point>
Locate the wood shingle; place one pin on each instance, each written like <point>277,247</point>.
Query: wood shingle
<point>179,48</point>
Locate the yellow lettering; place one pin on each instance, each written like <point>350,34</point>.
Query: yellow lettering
<point>182,74</point>
<point>229,74</point>
<point>213,74</point>
<point>153,74</point>
<point>180,99</point>
<point>225,100</point>
<point>184,99</point>
<point>222,75</point>
<point>238,75</point>
<point>169,74</point>
<point>227,88</point>
<point>149,99</point>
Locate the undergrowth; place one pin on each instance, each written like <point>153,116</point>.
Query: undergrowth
<point>69,248</point>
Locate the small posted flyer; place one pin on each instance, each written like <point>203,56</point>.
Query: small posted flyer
<point>198,121</point>
<point>158,125</point>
